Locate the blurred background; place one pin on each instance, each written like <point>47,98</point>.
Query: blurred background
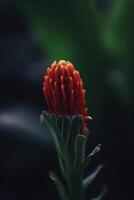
<point>98,37</point>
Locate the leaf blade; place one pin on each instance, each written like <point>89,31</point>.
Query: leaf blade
<point>59,186</point>
<point>88,180</point>
<point>79,150</point>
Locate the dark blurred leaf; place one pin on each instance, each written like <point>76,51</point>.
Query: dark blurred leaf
<point>118,31</point>
<point>89,157</point>
<point>59,186</point>
<point>87,181</point>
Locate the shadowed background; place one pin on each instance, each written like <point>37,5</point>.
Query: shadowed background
<point>97,36</point>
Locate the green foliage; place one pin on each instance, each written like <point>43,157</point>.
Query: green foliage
<point>59,186</point>
<point>71,154</point>
<point>88,180</point>
<point>118,38</point>
<point>50,121</point>
<point>87,159</point>
<point>79,151</point>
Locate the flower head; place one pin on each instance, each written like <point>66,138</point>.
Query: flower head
<point>63,90</point>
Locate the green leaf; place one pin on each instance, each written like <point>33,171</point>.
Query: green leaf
<point>75,128</point>
<point>89,157</point>
<point>64,125</point>
<point>62,164</point>
<point>60,123</point>
<point>59,186</point>
<point>96,150</point>
<point>50,120</point>
<point>79,150</point>
<point>67,127</point>
<point>87,181</point>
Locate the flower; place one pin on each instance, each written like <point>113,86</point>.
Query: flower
<point>63,90</point>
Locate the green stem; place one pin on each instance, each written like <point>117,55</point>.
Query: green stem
<point>74,182</point>
<point>76,186</point>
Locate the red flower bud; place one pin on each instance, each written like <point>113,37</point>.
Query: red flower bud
<point>63,90</point>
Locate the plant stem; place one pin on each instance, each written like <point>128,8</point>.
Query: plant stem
<point>74,182</point>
